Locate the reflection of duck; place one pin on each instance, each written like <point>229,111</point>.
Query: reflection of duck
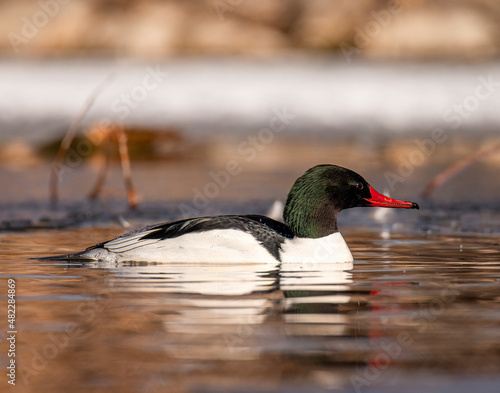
<point>237,311</point>
<point>232,311</point>
<point>309,234</point>
<point>205,279</point>
<point>229,279</point>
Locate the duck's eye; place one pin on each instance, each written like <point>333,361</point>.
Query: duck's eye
<point>359,185</point>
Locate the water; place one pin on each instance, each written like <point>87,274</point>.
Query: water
<point>419,310</point>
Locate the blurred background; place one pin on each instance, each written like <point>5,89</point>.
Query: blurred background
<point>246,95</point>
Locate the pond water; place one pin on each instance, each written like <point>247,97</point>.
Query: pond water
<point>418,311</point>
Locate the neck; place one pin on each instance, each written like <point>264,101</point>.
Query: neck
<point>309,217</point>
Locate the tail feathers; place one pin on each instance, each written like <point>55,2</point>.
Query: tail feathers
<point>75,257</point>
<point>89,255</point>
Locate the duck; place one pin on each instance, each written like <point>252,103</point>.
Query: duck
<point>308,233</point>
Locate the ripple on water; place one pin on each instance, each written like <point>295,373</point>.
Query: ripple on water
<point>412,302</point>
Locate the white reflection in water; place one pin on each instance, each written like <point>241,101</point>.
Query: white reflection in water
<point>204,279</point>
<point>315,276</point>
<point>230,280</point>
<point>302,282</point>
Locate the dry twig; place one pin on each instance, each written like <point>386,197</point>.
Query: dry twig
<point>458,167</point>
<point>70,136</point>
<point>113,132</point>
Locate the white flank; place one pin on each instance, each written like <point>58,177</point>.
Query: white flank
<point>222,246</point>
<point>216,246</point>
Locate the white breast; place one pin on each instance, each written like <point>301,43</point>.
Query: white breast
<point>327,249</point>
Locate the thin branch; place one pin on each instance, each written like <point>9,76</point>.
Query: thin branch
<point>127,172</point>
<point>58,163</point>
<point>458,167</point>
<point>107,141</point>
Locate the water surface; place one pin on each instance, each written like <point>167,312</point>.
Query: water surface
<point>419,310</point>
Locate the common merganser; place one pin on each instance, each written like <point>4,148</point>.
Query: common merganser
<point>309,231</point>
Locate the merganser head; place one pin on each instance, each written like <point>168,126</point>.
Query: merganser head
<point>322,192</point>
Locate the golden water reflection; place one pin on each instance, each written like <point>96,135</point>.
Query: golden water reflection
<point>411,302</point>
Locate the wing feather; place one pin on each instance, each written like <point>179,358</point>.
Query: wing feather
<point>127,243</point>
